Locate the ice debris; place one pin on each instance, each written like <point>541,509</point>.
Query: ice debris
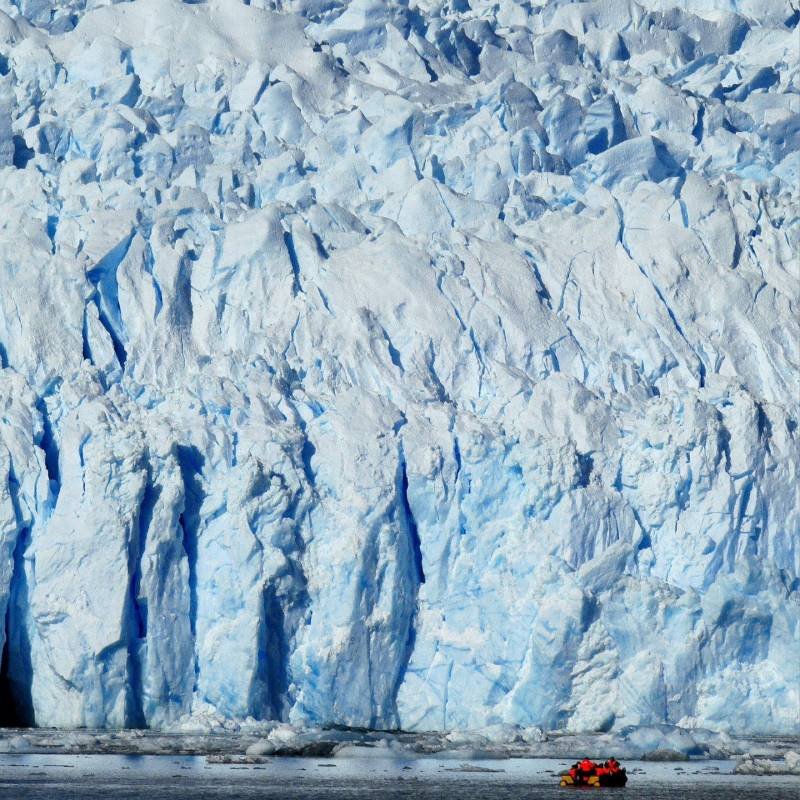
<point>250,744</point>
<point>751,765</point>
<point>422,365</point>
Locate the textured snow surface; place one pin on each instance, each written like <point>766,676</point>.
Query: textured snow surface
<point>426,364</point>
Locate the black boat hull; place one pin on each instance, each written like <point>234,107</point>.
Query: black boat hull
<point>617,780</point>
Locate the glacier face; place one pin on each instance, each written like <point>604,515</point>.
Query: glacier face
<point>425,364</point>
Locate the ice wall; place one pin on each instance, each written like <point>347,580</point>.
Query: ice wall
<point>423,364</point>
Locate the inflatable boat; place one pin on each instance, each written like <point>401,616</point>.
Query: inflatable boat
<point>587,774</point>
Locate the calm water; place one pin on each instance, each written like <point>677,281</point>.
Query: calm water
<point>179,778</point>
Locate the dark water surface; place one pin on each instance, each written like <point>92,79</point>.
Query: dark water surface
<point>44,777</point>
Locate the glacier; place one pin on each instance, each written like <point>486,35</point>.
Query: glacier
<point>425,365</point>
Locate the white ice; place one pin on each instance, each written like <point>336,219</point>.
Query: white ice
<point>426,365</point>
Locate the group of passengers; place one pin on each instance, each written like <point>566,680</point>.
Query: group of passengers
<point>582,770</point>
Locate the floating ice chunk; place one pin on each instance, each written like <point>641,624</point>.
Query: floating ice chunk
<point>750,765</point>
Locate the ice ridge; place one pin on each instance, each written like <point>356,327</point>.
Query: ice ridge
<point>428,364</point>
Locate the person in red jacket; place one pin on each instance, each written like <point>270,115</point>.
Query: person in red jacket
<point>587,767</point>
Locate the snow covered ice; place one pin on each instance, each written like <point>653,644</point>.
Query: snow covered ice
<point>426,364</point>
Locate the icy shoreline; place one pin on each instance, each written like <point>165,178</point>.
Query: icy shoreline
<point>255,742</point>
